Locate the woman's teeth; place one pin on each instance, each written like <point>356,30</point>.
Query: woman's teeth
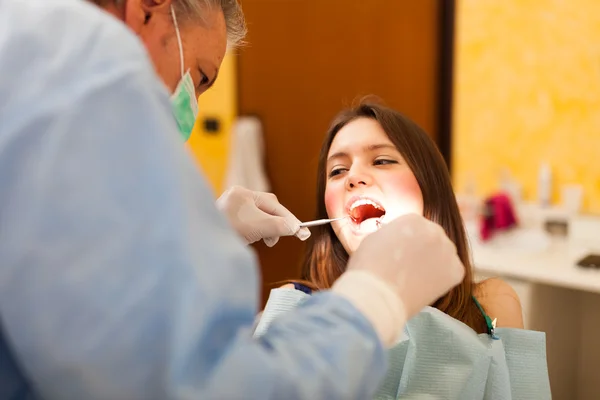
<point>369,225</point>
<point>363,202</point>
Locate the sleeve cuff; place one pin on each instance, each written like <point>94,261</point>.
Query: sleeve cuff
<point>376,300</point>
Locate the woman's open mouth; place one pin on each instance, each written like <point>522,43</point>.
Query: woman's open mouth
<point>366,214</point>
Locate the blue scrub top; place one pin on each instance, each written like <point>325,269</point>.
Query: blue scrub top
<point>118,277</point>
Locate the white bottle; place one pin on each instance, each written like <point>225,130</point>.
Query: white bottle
<point>545,185</point>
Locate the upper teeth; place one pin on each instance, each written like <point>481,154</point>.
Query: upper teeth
<point>363,202</point>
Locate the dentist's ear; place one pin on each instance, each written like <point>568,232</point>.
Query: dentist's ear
<point>135,15</point>
<point>153,6</point>
<point>139,13</point>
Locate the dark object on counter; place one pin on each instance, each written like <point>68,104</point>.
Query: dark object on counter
<point>557,227</point>
<point>590,261</point>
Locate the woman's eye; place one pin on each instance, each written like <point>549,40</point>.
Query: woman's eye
<point>336,171</point>
<point>385,162</point>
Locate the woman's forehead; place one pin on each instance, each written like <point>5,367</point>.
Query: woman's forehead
<point>363,134</point>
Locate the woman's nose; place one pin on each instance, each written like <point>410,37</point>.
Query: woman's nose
<point>357,179</point>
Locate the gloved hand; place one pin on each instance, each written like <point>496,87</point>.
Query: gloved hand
<point>257,215</point>
<point>410,255</point>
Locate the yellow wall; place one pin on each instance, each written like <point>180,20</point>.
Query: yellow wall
<point>220,101</point>
<point>527,90</point>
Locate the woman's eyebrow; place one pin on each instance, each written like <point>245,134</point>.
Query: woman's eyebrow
<point>369,148</point>
<point>339,154</point>
<point>380,146</point>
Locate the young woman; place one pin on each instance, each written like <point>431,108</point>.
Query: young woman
<point>375,164</point>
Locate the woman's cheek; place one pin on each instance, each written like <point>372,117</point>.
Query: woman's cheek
<point>333,202</point>
<point>408,189</point>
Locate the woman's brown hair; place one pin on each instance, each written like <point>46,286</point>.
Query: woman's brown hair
<point>326,259</point>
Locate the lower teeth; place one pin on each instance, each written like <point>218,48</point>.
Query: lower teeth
<point>378,221</point>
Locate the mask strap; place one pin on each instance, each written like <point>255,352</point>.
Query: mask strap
<point>178,39</point>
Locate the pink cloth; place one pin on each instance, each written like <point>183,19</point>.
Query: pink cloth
<point>498,215</point>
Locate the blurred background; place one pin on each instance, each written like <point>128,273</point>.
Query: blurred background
<point>508,89</point>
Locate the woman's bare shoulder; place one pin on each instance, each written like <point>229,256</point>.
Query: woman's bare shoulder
<point>500,302</point>
<point>287,286</point>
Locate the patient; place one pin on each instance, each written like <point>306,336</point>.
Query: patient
<point>375,165</point>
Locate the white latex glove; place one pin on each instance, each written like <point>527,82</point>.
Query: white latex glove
<point>257,215</point>
<point>397,271</point>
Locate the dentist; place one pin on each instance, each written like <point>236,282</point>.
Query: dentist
<point>120,279</point>
<point>187,57</point>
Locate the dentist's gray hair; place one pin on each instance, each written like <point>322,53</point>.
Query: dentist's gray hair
<point>195,9</point>
<point>232,10</point>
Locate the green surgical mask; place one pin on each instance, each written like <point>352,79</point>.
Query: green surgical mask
<point>184,100</point>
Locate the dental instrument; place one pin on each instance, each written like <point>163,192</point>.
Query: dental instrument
<point>320,222</point>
